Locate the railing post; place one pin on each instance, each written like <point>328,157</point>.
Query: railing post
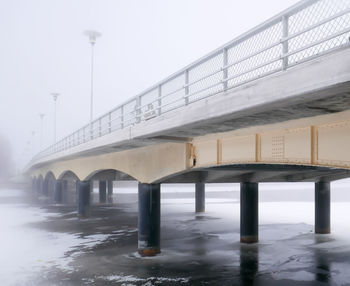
<point>137,109</point>
<point>187,89</point>
<point>109,122</point>
<point>159,99</point>
<point>122,117</point>
<point>285,34</point>
<point>99,127</point>
<point>224,68</point>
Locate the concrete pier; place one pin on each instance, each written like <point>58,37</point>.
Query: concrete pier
<point>110,191</point>
<point>33,186</point>
<point>249,212</point>
<point>102,191</point>
<point>83,191</point>
<point>322,208</point>
<point>200,197</point>
<point>149,219</point>
<point>58,194</point>
<point>40,187</point>
<point>45,188</point>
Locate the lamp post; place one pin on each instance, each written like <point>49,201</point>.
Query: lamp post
<point>41,115</point>
<point>54,95</point>
<point>93,35</point>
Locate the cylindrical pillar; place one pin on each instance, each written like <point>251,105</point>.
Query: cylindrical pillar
<point>58,192</point>
<point>322,207</point>
<point>200,197</point>
<point>83,190</point>
<point>45,187</point>
<point>110,191</point>
<point>249,212</point>
<point>34,185</point>
<point>51,190</point>
<point>149,219</point>
<point>102,192</point>
<point>40,186</point>
<point>65,199</point>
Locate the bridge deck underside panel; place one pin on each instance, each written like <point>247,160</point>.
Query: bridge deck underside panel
<point>260,173</point>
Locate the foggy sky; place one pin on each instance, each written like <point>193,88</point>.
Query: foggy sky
<point>43,50</point>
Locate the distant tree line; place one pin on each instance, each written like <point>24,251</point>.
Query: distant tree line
<point>6,163</point>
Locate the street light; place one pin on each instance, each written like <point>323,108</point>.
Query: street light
<point>41,115</point>
<point>93,35</point>
<point>54,95</point>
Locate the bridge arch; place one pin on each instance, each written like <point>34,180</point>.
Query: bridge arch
<point>49,176</point>
<point>109,174</point>
<point>68,175</point>
<point>49,184</point>
<point>39,183</point>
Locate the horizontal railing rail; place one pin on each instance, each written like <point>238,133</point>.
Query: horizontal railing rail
<point>307,30</point>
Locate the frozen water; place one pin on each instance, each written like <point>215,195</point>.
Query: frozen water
<point>50,246</point>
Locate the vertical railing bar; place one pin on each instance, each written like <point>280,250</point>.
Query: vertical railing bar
<point>110,122</point>
<point>225,69</point>
<point>285,50</point>
<point>122,116</point>
<point>159,99</point>
<point>137,109</point>
<point>187,89</point>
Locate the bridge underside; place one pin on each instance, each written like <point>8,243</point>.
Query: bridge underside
<point>260,173</point>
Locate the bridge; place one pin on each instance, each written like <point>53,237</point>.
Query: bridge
<point>273,105</point>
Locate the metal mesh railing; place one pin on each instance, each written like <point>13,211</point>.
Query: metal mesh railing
<point>305,31</point>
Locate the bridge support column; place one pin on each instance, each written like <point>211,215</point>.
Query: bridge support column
<point>249,212</point>
<point>39,187</point>
<point>58,192</point>
<point>45,188</point>
<point>110,191</point>
<point>65,199</point>
<point>322,208</point>
<point>200,197</point>
<point>149,219</point>
<point>83,190</point>
<point>33,186</point>
<point>102,192</point>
